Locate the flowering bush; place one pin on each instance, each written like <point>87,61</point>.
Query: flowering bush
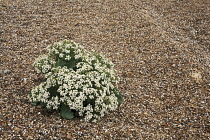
<point>77,82</point>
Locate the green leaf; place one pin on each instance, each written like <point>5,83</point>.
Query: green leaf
<point>60,62</point>
<point>66,112</point>
<point>53,91</point>
<point>71,64</point>
<point>119,97</point>
<point>43,105</point>
<point>34,103</point>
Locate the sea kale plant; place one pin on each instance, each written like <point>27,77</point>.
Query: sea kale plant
<point>77,82</point>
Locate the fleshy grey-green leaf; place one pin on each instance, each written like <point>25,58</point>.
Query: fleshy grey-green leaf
<point>66,112</point>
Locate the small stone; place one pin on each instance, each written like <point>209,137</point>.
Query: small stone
<point>17,129</point>
<point>30,137</point>
<point>203,102</point>
<point>6,71</point>
<point>25,80</point>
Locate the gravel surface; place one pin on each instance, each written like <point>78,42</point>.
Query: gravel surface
<point>160,49</point>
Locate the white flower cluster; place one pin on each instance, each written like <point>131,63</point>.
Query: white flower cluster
<point>43,64</point>
<point>65,50</point>
<point>86,87</point>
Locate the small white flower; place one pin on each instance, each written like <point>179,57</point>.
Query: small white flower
<point>61,55</point>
